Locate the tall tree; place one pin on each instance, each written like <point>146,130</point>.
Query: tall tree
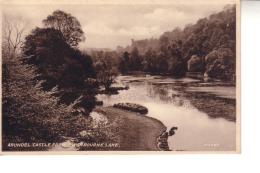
<point>135,59</point>
<point>106,73</point>
<point>29,114</point>
<point>124,63</point>
<point>13,33</point>
<point>67,24</point>
<point>61,65</point>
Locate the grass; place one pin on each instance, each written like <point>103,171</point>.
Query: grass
<point>135,132</point>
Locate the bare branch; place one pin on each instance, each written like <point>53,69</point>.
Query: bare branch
<point>13,30</point>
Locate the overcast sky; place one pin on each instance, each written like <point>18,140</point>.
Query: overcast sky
<point>107,26</point>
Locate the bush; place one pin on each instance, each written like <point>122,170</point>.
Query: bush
<point>29,114</point>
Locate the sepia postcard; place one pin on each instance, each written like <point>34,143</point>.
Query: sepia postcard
<point>120,77</point>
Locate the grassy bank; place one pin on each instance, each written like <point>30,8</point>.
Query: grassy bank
<point>134,132</point>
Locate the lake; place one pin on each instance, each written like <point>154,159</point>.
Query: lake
<point>167,100</point>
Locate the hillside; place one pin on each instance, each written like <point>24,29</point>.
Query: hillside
<point>208,46</point>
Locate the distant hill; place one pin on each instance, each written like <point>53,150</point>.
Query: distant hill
<point>208,46</point>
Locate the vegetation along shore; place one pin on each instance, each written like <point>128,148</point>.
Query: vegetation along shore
<point>50,84</point>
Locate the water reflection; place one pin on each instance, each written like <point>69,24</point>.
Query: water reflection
<point>196,131</point>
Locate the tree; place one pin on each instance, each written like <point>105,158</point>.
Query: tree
<point>47,49</point>
<point>106,74</point>
<point>61,65</point>
<point>58,63</point>
<point>164,42</point>
<point>175,48</point>
<point>13,33</point>
<point>135,59</point>
<point>147,62</point>
<point>67,24</point>
<point>161,63</point>
<point>195,64</point>
<point>29,114</point>
<point>220,64</point>
<point>124,63</point>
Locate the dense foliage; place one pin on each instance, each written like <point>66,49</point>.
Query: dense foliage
<point>48,88</point>
<point>105,64</point>
<point>209,47</point>
<point>67,24</point>
<point>61,65</point>
<point>29,113</point>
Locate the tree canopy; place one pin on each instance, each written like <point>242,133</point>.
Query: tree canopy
<point>189,49</point>
<point>67,24</point>
<point>60,65</point>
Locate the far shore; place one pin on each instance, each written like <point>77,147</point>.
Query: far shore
<point>135,132</point>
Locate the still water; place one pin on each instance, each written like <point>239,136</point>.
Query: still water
<point>196,130</point>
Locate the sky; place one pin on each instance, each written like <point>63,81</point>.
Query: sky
<point>107,26</point>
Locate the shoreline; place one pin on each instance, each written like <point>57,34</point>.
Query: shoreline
<point>212,105</point>
<point>141,73</point>
<point>135,132</point>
